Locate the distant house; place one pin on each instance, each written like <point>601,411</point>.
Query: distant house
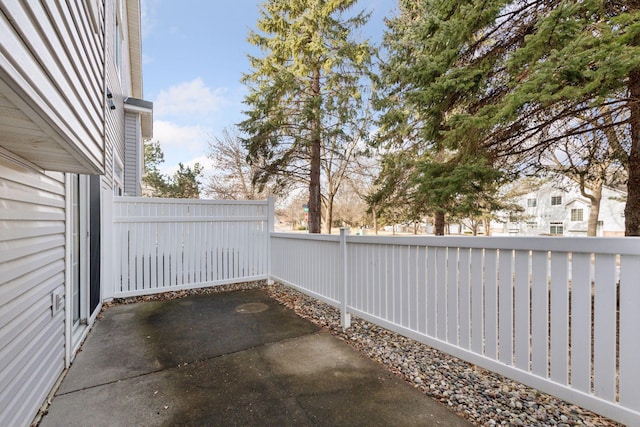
<point>72,122</point>
<point>560,210</point>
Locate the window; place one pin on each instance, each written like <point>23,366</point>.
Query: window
<point>532,203</point>
<point>557,228</point>
<point>577,215</point>
<point>532,225</point>
<point>556,200</point>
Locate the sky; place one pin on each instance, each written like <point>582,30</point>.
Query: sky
<point>194,54</point>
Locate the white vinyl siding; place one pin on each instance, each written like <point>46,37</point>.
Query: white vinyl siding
<point>51,64</point>
<point>32,263</point>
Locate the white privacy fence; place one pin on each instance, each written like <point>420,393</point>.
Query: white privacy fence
<point>559,314</point>
<point>172,244</point>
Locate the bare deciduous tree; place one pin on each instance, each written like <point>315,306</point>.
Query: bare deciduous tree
<point>233,176</point>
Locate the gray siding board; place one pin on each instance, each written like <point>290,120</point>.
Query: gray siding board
<point>19,230</point>
<point>15,306</point>
<point>131,172</point>
<point>47,369</point>
<point>25,247</point>
<point>15,272</point>
<point>32,265</point>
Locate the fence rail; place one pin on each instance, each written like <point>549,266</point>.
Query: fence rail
<point>169,244</point>
<point>559,314</point>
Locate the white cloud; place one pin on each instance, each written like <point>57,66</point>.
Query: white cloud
<point>189,139</point>
<point>189,100</point>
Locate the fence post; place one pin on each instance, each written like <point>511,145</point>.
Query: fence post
<point>270,229</point>
<point>108,243</point>
<point>345,318</point>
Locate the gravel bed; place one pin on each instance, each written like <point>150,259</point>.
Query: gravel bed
<point>481,396</point>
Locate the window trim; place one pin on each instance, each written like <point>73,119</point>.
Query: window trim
<point>557,226</point>
<point>577,214</point>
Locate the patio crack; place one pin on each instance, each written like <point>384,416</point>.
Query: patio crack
<point>186,364</point>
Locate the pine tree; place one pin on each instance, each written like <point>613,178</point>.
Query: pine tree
<point>557,61</point>
<point>581,56</point>
<point>438,65</point>
<point>305,86</point>
<point>154,181</point>
<point>183,184</point>
<point>503,78</point>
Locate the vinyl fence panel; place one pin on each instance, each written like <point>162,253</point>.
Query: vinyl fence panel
<point>171,244</point>
<point>559,314</point>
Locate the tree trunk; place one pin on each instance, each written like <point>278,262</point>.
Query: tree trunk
<point>329,218</point>
<point>375,219</point>
<point>315,201</point>
<point>486,222</point>
<point>438,224</point>
<point>632,208</point>
<point>594,213</point>
<point>595,197</point>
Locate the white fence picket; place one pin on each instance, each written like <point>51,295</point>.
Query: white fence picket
<point>581,325</point>
<point>464,280</point>
<point>431,291</point>
<point>540,314</point>
<point>452,297</point>
<point>491,304</point>
<point>559,318</point>
<point>477,301</point>
<point>521,310</point>
<point>629,298</point>
<point>604,316</point>
<point>505,306</point>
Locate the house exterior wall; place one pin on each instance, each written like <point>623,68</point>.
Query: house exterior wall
<point>114,119</point>
<point>548,211</point>
<point>51,76</point>
<point>32,268</point>
<point>65,53</point>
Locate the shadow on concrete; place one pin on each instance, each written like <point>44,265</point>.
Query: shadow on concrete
<point>236,358</point>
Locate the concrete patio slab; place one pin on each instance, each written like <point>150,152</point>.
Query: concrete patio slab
<point>236,358</point>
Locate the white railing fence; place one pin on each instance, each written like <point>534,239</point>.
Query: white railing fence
<point>173,244</point>
<point>558,314</point>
